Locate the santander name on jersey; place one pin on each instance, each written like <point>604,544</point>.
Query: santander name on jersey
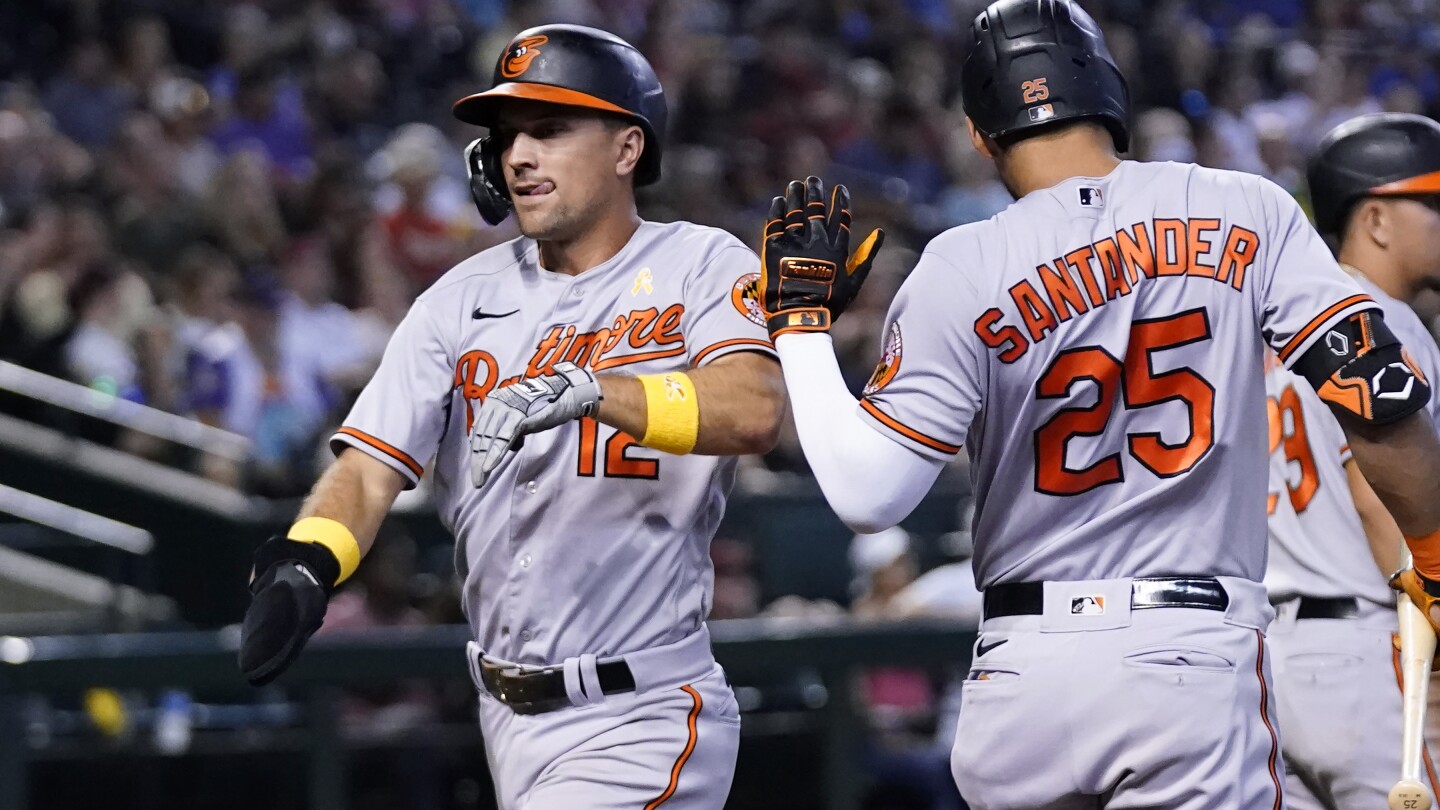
<point>1094,274</point>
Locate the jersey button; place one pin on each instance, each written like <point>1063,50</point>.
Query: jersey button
<point>578,292</point>
<point>525,635</point>
<point>525,561</point>
<point>532,487</point>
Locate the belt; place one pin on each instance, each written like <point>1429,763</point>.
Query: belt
<point>536,691</point>
<point>1028,598</point>
<point>1313,607</point>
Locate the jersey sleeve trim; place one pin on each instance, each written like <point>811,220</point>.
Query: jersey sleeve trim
<point>1320,320</point>
<point>386,450</point>
<point>905,431</point>
<point>724,347</point>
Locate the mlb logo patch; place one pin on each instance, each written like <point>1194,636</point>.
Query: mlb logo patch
<point>1042,113</point>
<point>1092,197</point>
<point>1087,606</point>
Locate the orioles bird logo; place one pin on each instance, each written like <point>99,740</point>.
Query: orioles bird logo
<point>521,54</point>
<point>889,361</point>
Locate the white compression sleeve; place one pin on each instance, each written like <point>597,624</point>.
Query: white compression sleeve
<point>870,480</point>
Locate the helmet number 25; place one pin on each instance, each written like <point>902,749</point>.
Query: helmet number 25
<point>1034,90</point>
<point>1137,385</point>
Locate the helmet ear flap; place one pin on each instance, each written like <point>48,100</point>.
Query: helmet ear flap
<point>487,180</point>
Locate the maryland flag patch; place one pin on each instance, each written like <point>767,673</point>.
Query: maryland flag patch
<point>746,297</point>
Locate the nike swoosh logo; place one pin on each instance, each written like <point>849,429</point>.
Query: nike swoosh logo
<point>985,648</point>
<point>477,314</point>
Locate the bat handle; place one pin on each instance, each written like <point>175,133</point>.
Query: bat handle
<point>1417,651</point>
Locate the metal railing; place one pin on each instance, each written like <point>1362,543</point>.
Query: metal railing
<point>123,413</point>
<point>749,648</point>
<point>75,522</point>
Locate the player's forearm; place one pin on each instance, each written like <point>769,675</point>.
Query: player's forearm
<point>870,481</point>
<point>1380,529</point>
<point>356,491</point>
<point>1401,461</point>
<point>741,397</point>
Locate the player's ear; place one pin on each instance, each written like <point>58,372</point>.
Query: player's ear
<point>629,144</point>
<point>1373,222</point>
<point>977,140</point>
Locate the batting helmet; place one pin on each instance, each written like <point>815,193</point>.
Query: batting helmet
<point>1380,155</point>
<point>1038,62</point>
<point>571,65</point>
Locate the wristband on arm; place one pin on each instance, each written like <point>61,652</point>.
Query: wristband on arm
<point>672,412</point>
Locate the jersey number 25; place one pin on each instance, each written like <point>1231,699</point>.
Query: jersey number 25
<point>1137,384</point>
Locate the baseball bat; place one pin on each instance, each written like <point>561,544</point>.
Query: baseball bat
<point>1417,650</point>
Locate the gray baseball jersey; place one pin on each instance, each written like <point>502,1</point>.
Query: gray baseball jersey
<point>1098,347</point>
<point>1336,680</point>
<point>1318,546</point>
<point>582,542</point>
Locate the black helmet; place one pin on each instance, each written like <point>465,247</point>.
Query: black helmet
<point>1036,62</point>
<point>1380,155</point>
<point>571,65</point>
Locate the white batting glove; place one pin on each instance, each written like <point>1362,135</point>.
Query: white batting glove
<point>528,406</point>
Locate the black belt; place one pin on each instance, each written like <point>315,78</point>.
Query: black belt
<point>537,691</point>
<point>1028,598</point>
<point>1313,607</point>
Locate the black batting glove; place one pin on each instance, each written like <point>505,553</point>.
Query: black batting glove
<point>287,605</point>
<point>807,274</point>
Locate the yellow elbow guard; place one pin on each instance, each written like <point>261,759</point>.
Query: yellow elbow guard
<point>333,535</point>
<point>672,412</point>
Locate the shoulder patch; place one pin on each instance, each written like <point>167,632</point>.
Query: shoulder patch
<point>889,361</point>
<point>745,295</point>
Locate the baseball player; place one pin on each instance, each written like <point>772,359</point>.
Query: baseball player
<point>582,391</point>
<point>1098,347</point>
<point>1375,184</point>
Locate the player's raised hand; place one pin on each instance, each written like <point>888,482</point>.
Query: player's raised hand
<point>528,406</point>
<point>808,276</point>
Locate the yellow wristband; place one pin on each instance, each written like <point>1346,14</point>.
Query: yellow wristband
<point>333,535</point>
<point>672,412</point>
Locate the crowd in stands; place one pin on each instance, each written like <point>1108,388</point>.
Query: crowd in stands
<point>221,208</point>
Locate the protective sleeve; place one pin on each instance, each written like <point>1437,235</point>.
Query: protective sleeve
<point>401,415</point>
<point>871,481</point>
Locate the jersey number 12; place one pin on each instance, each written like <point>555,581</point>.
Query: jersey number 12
<point>617,461</point>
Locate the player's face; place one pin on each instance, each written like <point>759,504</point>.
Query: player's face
<point>564,166</point>
<point>1417,237</point>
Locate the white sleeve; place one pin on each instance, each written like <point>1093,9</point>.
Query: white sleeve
<point>871,481</point>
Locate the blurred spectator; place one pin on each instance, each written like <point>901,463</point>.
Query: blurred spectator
<point>333,340</point>
<point>902,147</point>
<point>262,120</point>
<point>87,101</point>
<point>425,211</point>
<point>244,211</point>
<point>183,107</point>
<point>249,382</point>
<point>111,307</point>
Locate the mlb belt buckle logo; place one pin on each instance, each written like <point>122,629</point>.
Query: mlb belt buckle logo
<point>1087,605</point>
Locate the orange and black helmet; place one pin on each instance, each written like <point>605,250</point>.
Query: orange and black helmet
<point>578,67</point>
<point>1380,155</point>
